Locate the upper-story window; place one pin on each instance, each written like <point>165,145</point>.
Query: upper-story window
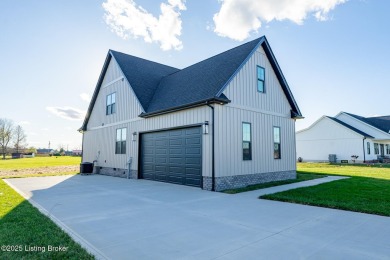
<point>110,104</point>
<point>260,79</point>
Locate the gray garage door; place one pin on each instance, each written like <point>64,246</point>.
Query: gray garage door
<point>173,156</point>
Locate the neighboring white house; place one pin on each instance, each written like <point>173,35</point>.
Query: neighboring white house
<point>225,122</point>
<point>345,135</point>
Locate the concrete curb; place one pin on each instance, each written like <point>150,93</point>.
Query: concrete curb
<point>77,238</point>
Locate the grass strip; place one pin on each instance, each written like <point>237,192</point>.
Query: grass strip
<point>24,228</point>
<point>366,195</point>
<point>300,177</point>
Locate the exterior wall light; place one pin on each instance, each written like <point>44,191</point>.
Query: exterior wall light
<point>206,127</point>
<point>134,137</point>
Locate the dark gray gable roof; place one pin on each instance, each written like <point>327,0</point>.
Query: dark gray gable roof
<point>350,127</point>
<point>206,80</point>
<point>381,122</point>
<point>143,75</point>
<point>200,81</point>
<point>163,89</point>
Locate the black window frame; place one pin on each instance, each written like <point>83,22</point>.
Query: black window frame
<point>278,155</point>
<point>259,79</point>
<point>120,143</point>
<point>246,152</point>
<point>368,148</point>
<point>111,106</point>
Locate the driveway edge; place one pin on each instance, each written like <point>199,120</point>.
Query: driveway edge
<point>76,237</point>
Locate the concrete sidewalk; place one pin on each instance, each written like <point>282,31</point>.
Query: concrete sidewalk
<point>137,219</point>
<point>256,193</point>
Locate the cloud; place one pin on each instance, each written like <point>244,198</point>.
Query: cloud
<point>24,123</point>
<point>85,97</point>
<point>127,19</point>
<point>67,112</point>
<point>237,18</point>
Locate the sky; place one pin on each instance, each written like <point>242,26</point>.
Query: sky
<point>334,53</point>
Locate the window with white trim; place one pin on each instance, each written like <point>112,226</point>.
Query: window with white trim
<point>368,148</point>
<point>376,148</point>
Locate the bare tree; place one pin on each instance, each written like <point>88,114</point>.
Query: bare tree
<point>20,138</point>
<point>6,134</point>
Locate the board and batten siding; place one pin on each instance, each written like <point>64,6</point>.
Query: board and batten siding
<point>101,128</point>
<point>242,90</point>
<point>263,111</point>
<point>127,105</point>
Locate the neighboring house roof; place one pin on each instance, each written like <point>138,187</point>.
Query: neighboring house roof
<point>44,150</point>
<point>161,89</point>
<point>381,122</point>
<point>350,127</point>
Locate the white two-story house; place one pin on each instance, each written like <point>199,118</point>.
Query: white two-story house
<point>225,122</point>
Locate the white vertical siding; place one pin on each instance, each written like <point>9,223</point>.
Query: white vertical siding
<point>127,105</point>
<point>263,111</point>
<point>242,90</point>
<point>101,128</point>
<point>229,158</point>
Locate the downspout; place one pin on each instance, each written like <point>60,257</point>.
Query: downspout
<point>364,151</point>
<point>212,148</point>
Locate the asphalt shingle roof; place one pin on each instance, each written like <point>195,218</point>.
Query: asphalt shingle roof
<point>143,75</point>
<point>160,88</point>
<point>350,127</point>
<point>381,122</point>
<point>200,81</point>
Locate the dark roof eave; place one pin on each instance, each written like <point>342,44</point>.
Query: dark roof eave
<point>295,115</point>
<point>214,100</point>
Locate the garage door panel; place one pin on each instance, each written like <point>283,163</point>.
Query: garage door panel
<point>193,150</point>
<point>173,156</point>
<point>193,160</point>
<point>195,141</point>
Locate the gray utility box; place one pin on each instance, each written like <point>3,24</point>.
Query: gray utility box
<point>332,158</point>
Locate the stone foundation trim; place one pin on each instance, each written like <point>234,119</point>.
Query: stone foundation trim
<point>239,181</point>
<point>115,172</point>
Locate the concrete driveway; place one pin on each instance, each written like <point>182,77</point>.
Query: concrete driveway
<point>138,219</point>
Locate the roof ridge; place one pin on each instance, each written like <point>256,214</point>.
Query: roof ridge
<point>155,62</point>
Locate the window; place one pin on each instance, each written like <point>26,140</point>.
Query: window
<point>110,107</point>
<point>120,144</point>
<point>376,148</point>
<point>387,149</point>
<point>246,142</point>
<point>260,79</point>
<point>277,142</point>
<point>368,148</point>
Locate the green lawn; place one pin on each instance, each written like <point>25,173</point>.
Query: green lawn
<point>300,177</point>
<point>37,162</point>
<point>23,226</point>
<point>379,171</point>
<point>368,189</point>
